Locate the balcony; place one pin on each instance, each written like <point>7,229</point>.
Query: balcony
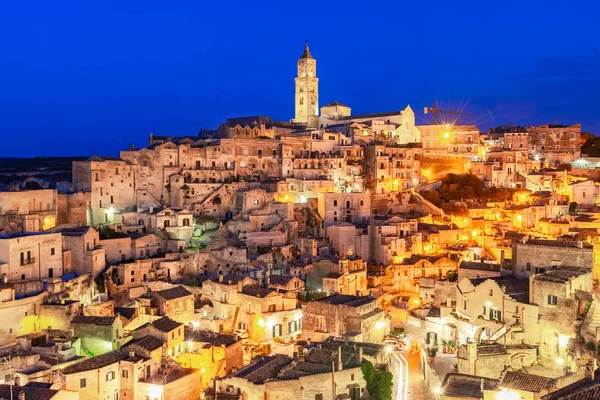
<point>28,261</point>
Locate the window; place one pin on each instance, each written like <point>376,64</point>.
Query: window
<point>255,202</point>
<point>464,304</point>
<point>318,396</point>
<point>259,153</point>
<point>125,374</point>
<point>274,153</point>
<point>528,266</point>
<point>82,383</point>
<point>335,203</point>
<point>491,292</point>
<point>110,376</point>
<point>52,251</point>
<point>552,300</point>
<point>483,310</point>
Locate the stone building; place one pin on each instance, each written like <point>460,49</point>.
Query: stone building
<point>537,255</point>
<point>108,376</point>
<point>216,353</point>
<point>354,208</point>
<point>176,303</point>
<point>329,371</point>
<point>28,210</point>
<point>392,169</point>
<point>407,274</point>
<point>346,275</point>
<point>25,256</point>
<point>98,334</point>
<point>307,90</point>
<point>20,315</point>
<point>354,317</point>
<point>87,256</point>
<point>494,304</point>
<point>111,183</point>
<point>170,333</point>
<point>558,293</point>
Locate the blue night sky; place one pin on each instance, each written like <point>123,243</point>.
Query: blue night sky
<point>90,77</point>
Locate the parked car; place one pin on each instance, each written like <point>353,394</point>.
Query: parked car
<point>241,333</point>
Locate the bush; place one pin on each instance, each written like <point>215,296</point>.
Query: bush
<point>379,383</point>
<point>590,346</point>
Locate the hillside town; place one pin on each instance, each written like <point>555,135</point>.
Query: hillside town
<point>335,255</point>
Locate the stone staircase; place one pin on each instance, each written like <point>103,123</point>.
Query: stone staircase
<point>432,208</point>
<point>591,323</point>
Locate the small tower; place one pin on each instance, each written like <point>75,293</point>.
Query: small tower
<point>307,90</point>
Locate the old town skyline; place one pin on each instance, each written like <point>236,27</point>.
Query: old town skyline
<point>117,85</point>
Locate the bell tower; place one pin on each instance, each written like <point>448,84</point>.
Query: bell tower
<point>307,90</point>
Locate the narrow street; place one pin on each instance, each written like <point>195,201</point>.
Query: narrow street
<point>408,378</point>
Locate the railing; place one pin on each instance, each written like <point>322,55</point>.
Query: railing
<point>28,261</point>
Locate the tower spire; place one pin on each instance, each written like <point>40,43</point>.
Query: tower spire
<point>306,53</point>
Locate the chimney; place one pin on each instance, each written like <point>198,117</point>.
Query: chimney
<point>268,280</point>
<point>220,278</point>
<point>131,353</point>
<point>589,373</point>
<point>4,278</point>
<point>449,302</point>
<point>580,244</point>
<point>339,354</point>
<point>360,354</point>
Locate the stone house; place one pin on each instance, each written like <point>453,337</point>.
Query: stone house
<point>586,192</point>
<point>87,256</point>
<point>216,353</point>
<point>28,210</point>
<point>357,318</point>
<point>310,376</point>
<point>19,315</point>
<point>176,303</point>
<point>354,208</point>
<point>111,183</point>
<point>285,283</point>
<point>98,335</point>
<point>407,274</point>
<point>347,275</point>
<point>392,169</point>
<point>557,294</point>
<point>490,360</point>
<point>267,313</point>
<point>536,256</point>
<point>171,383</point>
<point>33,256</point>
<point>492,305</point>
<point>527,386</point>
<point>168,331</point>
<point>477,270</point>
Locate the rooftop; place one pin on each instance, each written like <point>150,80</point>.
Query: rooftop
<point>559,243</point>
<point>347,300</point>
<point>165,324</point>
<point>148,342</point>
<point>480,266</point>
<point>88,319</point>
<point>526,382</point>
<point>94,363</point>
<point>561,274</point>
<point>174,293</point>
<point>214,338</point>
<point>257,291</point>
<point>466,386</point>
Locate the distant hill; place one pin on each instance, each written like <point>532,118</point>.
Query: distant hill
<point>37,172</point>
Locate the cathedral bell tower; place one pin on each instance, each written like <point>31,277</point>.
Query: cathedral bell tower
<point>307,90</point>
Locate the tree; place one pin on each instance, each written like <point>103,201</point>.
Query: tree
<point>379,383</point>
<point>564,167</point>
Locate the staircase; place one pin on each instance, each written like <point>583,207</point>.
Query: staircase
<point>590,325</point>
<point>235,318</point>
<point>432,208</point>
